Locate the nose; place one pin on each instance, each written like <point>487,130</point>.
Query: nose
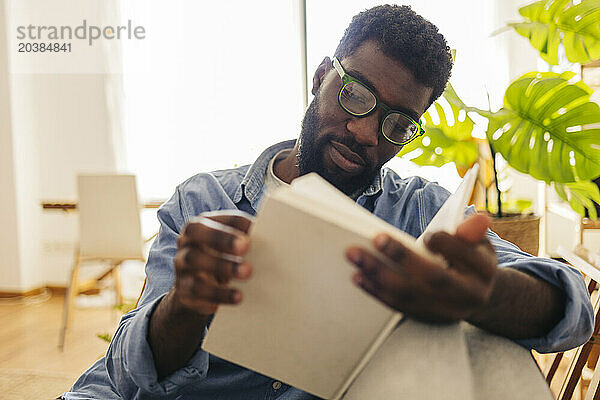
<point>365,129</point>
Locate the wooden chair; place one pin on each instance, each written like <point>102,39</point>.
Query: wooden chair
<point>109,232</point>
<point>587,353</point>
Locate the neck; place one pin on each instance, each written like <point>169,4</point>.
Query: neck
<point>287,169</point>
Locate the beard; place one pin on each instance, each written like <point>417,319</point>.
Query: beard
<point>311,151</point>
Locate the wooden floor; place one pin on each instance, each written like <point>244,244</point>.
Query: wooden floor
<point>31,365</point>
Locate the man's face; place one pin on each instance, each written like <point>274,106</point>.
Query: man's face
<point>349,151</point>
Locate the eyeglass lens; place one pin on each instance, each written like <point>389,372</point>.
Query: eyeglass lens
<point>359,100</point>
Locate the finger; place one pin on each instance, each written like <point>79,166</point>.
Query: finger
<point>194,260</point>
<point>425,300</point>
<point>202,288</point>
<point>234,218</point>
<point>388,284</point>
<point>391,247</point>
<point>370,266</point>
<point>414,274</point>
<point>397,296</point>
<point>220,237</point>
<point>469,258</point>
<point>474,228</point>
<point>222,268</point>
<point>410,261</point>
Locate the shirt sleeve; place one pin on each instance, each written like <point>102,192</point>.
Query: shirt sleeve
<point>129,360</point>
<point>577,323</point>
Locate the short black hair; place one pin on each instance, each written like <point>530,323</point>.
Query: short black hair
<point>404,36</point>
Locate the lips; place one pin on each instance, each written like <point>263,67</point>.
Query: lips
<point>345,158</point>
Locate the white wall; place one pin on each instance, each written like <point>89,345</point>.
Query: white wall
<point>61,127</point>
<point>10,274</point>
<point>52,126</point>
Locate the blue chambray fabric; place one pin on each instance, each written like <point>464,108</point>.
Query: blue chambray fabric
<point>127,371</point>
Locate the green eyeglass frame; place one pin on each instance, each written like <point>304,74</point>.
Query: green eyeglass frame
<point>388,111</point>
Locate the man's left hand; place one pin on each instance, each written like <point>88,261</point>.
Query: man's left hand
<point>422,289</point>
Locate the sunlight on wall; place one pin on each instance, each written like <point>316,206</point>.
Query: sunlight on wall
<point>211,87</point>
<point>215,83</point>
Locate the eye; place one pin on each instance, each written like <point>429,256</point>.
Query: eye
<point>357,99</point>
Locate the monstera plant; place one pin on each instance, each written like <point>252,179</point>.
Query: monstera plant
<point>548,127</point>
<point>450,140</point>
<point>543,130</point>
<point>550,23</point>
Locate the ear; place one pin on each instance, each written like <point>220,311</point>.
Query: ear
<point>320,74</point>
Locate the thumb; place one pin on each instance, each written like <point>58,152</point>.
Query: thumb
<point>473,229</point>
<point>232,218</point>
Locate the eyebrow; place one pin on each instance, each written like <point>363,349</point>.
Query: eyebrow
<point>365,81</point>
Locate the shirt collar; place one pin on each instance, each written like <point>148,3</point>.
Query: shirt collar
<point>252,186</point>
<point>375,186</point>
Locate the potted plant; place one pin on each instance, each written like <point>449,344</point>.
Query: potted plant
<point>547,127</point>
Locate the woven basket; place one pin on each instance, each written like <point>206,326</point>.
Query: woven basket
<point>520,229</point>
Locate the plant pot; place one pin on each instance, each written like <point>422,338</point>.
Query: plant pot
<point>520,229</point>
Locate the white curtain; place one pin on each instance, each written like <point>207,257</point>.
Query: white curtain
<point>210,87</point>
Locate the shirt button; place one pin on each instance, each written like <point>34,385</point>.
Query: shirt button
<point>276,385</point>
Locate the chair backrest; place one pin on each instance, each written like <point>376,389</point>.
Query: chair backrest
<point>584,354</point>
<point>109,217</point>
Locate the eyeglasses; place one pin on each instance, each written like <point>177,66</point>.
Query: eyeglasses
<point>358,100</point>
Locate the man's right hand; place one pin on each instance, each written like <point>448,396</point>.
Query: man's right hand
<point>209,255</point>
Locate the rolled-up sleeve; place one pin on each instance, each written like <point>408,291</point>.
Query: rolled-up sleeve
<point>577,322</point>
<point>129,361</point>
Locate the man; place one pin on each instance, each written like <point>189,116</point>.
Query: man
<point>389,67</point>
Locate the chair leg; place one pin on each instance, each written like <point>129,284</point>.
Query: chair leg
<point>116,273</point>
<point>70,294</point>
<point>592,392</point>
<point>554,367</point>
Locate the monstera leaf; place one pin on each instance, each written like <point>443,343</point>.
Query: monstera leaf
<point>581,196</point>
<point>542,130</point>
<point>550,22</point>
<point>443,143</point>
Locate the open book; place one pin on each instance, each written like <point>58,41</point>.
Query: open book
<point>302,320</point>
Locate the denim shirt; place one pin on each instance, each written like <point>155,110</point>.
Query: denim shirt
<point>127,371</point>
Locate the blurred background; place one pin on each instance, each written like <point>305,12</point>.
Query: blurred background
<point>209,87</point>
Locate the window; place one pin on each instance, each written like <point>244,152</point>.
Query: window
<point>212,85</point>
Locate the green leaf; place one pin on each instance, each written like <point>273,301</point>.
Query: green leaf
<point>520,206</point>
<point>581,196</point>
<point>542,130</point>
<point>443,143</point>
<point>107,337</point>
<point>549,22</point>
<point>125,307</point>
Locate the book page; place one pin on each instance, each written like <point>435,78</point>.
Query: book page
<point>302,320</point>
<point>451,214</point>
<point>502,369</point>
<point>417,361</point>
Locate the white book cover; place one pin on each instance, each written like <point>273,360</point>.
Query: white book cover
<point>302,320</point>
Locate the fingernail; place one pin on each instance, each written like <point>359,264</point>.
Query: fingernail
<point>237,297</point>
<point>239,245</point>
<point>357,279</point>
<point>381,241</point>
<point>355,257</point>
<point>242,271</point>
<point>427,237</point>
